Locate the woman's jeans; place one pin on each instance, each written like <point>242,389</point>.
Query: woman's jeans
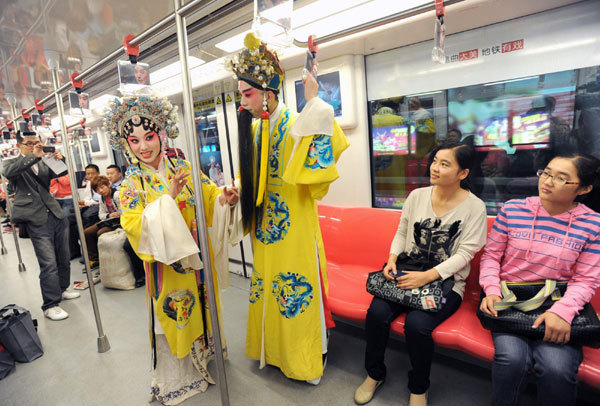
<point>418,327</point>
<point>555,367</point>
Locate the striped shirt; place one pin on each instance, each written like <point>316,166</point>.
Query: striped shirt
<point>527,244</point>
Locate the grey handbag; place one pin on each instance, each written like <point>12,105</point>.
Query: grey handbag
<point>18,335</point>
<point>429,297</point>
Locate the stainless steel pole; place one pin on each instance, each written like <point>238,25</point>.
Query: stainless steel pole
<point>9,209</point>
<point>3,250</point>
<point>21,265</point>
<point>103,344</point>
<point>192,142</point>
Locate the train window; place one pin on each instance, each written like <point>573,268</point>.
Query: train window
<point>205,116</point>
<point>516,126</point>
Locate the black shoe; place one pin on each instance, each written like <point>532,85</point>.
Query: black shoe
<point>139,283</point>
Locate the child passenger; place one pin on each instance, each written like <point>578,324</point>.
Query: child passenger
<point>552,236</point>
<point>445,223</point>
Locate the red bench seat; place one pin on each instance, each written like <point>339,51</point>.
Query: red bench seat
<point>357,241</point>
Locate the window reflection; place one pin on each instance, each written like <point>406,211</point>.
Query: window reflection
<point>516,126</point>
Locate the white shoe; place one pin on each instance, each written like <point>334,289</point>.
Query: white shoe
<point>56,313</point>
<point>69,294</point>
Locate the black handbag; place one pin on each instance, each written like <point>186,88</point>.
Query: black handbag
<point>522,303</point>
<point>7,363</point>
<point>429,297</point>
<point>18,334</point>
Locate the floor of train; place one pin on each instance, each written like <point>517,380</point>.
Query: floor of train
<point>72,372</point>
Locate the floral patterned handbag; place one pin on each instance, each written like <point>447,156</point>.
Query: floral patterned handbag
<point>429,297</point>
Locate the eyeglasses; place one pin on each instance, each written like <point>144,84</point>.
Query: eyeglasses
<point>558,179</point>
<point>30,144</point>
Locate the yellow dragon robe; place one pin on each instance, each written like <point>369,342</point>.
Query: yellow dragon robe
<point>289,283</point>
<point>176,293</point>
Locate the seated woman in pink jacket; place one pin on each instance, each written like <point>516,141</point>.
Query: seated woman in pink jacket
<point>553,236</point>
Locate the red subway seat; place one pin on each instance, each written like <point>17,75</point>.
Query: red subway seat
<point>357,241</point>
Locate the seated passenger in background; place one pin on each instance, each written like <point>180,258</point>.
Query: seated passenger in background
<point>113,173</point>
<point>90,198</point>
<point>108,209</point>
<point>89,202</point>
<point>552,236</point>
<point>445,223</point>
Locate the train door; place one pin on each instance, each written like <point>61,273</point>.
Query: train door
<point>216,126</point>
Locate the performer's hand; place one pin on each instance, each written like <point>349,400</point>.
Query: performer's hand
<point>416,279</point>
<point>487,305</point>
<point>178,182</point>
<point>389,271</point>
<point>557,329</point>
<point>230,195</point>
<point>311,87</point>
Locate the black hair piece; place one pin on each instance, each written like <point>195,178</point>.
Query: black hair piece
<point>246,157</point>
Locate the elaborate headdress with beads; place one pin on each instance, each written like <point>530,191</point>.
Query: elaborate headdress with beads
<point>257,64</point>
<point>120,115</point>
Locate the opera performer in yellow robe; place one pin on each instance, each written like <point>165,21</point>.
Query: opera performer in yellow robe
<point>157,200</point>
<point>287,162</point>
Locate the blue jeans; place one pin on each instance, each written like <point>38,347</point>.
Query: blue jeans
<point>555,367</point>
<point>51,245</point>
<point>418,327</point>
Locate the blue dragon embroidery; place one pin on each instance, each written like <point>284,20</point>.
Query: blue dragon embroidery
<point>256,286</point>
<point>320,153</point>
<point>277,222</point>
<point>275,150</point>
<point>292,292</point>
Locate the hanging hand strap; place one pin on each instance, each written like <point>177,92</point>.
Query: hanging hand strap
<point>509,299</point>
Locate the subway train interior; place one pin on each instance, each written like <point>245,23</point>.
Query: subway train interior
<point>516,82</point>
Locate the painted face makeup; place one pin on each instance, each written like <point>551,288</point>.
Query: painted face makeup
<point>145,146</point>
<point>252,98</point>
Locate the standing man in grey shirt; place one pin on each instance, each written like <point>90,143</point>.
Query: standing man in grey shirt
<point>45,221</point>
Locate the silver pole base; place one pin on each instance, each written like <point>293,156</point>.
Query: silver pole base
<point>103,344</point>
<point>4,251</point>
<point>22,267</point>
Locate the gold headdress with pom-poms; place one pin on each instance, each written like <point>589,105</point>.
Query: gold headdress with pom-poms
<point>257,64</point>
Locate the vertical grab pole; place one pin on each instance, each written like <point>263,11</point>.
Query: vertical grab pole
<point>103,344</point>
<point>3,250</point>
<point>22,268</point>
<point>9,210</point>
<point>192,141</point>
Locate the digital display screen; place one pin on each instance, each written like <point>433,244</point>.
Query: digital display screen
<point>531,128</point>
<point>329,91</point>
<point>394,140</point>
<point>514,114</point>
